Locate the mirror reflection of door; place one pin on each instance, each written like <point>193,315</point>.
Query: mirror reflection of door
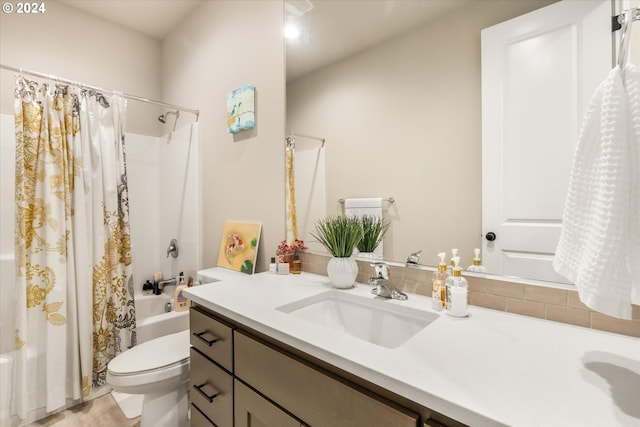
<point>539,71</point>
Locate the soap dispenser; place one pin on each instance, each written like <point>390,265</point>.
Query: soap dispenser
<point>454,253</point>
<point>438,279</point>
<point>457,289</point>
<point>147,288</point>
<point>477,263</point>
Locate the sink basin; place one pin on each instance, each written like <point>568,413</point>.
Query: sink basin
<point>364,317</point>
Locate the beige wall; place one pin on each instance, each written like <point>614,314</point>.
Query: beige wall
<point>403,120</point>
<point>224,45</point>
<point>74,45</point>
<point>221,46</point>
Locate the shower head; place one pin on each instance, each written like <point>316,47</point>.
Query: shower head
<point>163,117</point>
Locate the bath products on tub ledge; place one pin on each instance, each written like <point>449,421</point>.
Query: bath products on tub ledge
<point>157,277</point>
<point>180,302</point>
<point>438,284</point>
<point>147,288</point>
<point>457,292</point>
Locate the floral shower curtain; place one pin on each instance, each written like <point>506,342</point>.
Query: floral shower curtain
<point>73,265</point>
<point>290,184</point>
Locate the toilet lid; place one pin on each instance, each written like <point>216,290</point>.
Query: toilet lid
<point>154,354</point>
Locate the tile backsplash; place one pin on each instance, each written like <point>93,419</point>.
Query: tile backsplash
<point>544,302</point>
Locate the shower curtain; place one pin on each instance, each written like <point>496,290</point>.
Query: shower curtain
<point>73,265</point>
<point>290,184</point>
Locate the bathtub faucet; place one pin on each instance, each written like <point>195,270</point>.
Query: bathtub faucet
<point>163,283</point>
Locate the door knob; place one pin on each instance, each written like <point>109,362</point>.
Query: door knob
<point>490,236</point>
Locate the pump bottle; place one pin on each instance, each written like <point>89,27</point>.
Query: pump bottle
<point>438,284</point>
<point>457,290</point>
<point>454,253</point>
<point>477,266</point>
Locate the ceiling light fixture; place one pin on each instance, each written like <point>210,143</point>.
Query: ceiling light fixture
<point>291,31</point>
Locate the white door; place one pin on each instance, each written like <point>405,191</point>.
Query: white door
<point>539,71</point>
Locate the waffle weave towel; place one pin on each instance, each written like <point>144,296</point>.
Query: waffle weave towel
<point>599,247</point>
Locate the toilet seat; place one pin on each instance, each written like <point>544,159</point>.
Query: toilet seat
<point>163,362</point>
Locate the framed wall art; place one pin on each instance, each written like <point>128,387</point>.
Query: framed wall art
<point>240,109</point>
<point>239,246</point>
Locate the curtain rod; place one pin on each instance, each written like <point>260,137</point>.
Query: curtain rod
<point>124,95</point>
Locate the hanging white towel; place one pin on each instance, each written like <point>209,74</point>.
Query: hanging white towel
<point>371,206</point>
<point>599,247</point>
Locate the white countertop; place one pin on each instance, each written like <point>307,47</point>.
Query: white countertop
<point>491,368</point>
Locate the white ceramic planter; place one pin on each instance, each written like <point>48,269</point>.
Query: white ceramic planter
<point>342,272</point>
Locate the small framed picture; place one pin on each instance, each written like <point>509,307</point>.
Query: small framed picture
<point>240,109</point>
<point>239,246</point>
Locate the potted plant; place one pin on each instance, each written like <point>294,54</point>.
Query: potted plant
<point>286,252</point>
<point>373,230</point>
<point>339,235</point>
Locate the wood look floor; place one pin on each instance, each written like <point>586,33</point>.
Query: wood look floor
<point>100,412</point>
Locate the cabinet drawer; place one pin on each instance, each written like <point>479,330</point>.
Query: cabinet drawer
<point>211,390</point>
<point>308,393</point>
<point>198,419</point>
<point>213,338</point>
<point>253,410</point>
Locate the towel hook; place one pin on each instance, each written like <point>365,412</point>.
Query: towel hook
<point>627,19</point>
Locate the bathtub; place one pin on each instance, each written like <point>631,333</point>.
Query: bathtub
<point>6,368</point>
<point>151,319</point>
<point>7,364</point>
<point>7,326</point>
<point>151,322</point>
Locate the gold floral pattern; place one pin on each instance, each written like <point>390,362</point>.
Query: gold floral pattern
<point>290,182</point>
<point>54,229</point>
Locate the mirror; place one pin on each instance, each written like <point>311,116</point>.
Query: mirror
<point>394,88</point>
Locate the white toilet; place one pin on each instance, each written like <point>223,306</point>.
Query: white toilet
<point>158,369</point>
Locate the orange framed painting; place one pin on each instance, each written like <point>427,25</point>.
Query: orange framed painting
<point>239,246</point>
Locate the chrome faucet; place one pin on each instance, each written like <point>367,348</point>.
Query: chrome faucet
<point>173,248</point>
<point>159,288</point>
<point>414,258</point>
<point>381,285</point>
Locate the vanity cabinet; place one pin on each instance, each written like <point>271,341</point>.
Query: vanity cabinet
<point>211,371</point>
<point>242,378</point>
<point>315,396</point>
<point>253,410</point>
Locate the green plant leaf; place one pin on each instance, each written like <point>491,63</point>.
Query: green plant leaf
<point>373,230</point>
<point>338,234</point>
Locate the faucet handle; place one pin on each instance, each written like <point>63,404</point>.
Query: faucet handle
<point>173,248</point>
<point>381,269</point>
<point>414,258</point>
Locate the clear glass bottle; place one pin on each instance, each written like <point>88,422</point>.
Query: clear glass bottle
<point>438,280</point>
<point>454,254</point>
<point>477,266</point>
<point>457,293</point>
<point>295,265</point>
<point>273,266</point>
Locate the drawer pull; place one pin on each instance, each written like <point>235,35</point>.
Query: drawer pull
<point>208,342</point>
<point>209,397</point>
